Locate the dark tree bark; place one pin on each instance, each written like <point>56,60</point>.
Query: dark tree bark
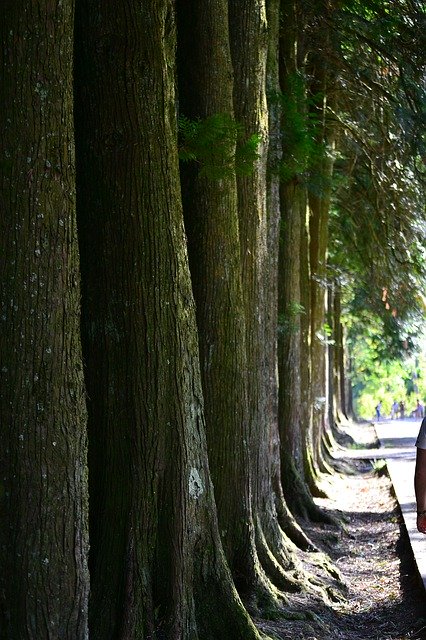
<point>297,253</point>
<point>293,441</point>
<point>211,221</point>
<point>273,209</point>
<point>348,385</point>
<point>158,568</point>
<point>293,203</point>
<point>44,580</point>
<point>339,350</point>
<point>249,48</point>
<point>321,92</point>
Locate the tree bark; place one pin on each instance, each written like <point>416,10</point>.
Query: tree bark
<point>157,563</point>
<point>249,47</point>
<point>339,363</point>
<point>211,221</point>
<point>44,579</point>
<point>292,358</point>
<point>321,91</point>
<point>273,208</point>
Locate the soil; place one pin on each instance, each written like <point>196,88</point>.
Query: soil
<point>372,590</point>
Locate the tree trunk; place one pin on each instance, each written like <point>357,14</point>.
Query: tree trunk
<point>292,205</point>
<point>273,207</point>
<point>249,46</point>
<point>348,386</point>
<point>211,221</point>
<point>318,247</point>
<point>332,404</point>
<point>290,361</point>
<point>44,580</point>
<point>157,564</point>
<point>321,91</point>
<point>339,363</point>
<point>291,310</point>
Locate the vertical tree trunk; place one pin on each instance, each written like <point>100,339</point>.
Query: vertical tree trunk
<point>44,581</point>
<point>318,205</point>
<point>273,208</point>
<point>211,221</point>
<point>348,385</point>
<point>291,364</point>
<point>292,311</point>
<point>157,564</point>
<point>339,362</point>
<point>249,46</point>
<point>292,201</point>
<point>330,359</point>
<point>321,89</point>
<point>290,308</point>
<point>273,217</point>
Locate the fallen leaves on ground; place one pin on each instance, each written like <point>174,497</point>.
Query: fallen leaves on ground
<point>382,597</point>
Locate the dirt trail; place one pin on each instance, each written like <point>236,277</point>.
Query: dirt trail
<point>381,597</point>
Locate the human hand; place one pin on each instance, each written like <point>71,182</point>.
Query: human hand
<point>421,522</point>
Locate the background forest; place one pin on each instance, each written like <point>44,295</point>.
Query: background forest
<point>212,242</point>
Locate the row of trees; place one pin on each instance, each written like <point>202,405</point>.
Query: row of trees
<point>186,186</point>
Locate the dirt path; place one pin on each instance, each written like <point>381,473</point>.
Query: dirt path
<point>381,597</point>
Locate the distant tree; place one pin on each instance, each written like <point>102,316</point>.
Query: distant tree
<point>377,223</point>
<point>298,155</point>
<point>44,579</point>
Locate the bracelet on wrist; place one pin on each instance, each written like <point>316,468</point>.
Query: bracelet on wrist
<point>421,513</point>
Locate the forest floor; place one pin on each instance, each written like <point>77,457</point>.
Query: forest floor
<point>378,595</point>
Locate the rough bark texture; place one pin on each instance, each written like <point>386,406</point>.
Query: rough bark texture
<point>291,359</point>
<point>248,40</point>
<point>305,339</point>
<point>157,563</point>
<point>339,351</point>
<point>321,85</point>
<point>211,222</point>
<point>290,348</point>
<point>273,208</point>
<point>44,581</point>
<point>290,362</point>
<point>249,44</point>
<point>292,206</point>
<point>331,354</point>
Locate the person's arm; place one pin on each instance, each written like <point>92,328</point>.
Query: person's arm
<point>420,489</point>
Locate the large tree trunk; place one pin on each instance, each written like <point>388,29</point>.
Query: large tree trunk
<point>291,309</point>
<point>291,414</point>
<point>211,221</point>
<point>44,580</point>
<point>273,209</point>
<point>318,205</point>
<point>157,564</point>
<point>249,45</point>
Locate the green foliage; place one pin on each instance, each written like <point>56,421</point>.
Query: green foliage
<point>287,322</point>
<point>327,330</point>
<point>379,376</point>
<point>378,223</point>
<point>300,126</point>
<point>218,145</point>
<point>391,34</point>
<point>379,467</point>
